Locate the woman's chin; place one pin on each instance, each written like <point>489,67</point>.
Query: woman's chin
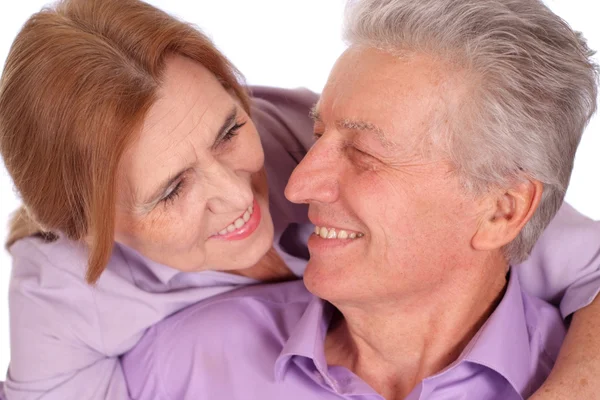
<point>245,255</point>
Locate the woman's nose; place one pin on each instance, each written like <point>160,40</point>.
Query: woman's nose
<point>229,191</point>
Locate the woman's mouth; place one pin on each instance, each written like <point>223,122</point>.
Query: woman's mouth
<point>243,226</point>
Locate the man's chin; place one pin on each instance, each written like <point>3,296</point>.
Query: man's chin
<point>321,281</point>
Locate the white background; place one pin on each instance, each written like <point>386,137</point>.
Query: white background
<point>287,43</point>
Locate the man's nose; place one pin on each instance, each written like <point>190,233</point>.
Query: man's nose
<point>316,178</point>
<point>227,190</point>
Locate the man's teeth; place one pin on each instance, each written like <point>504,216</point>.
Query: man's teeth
<point>331,233</point>
<point>238,223</point>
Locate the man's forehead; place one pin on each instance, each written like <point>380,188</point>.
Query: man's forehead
<point>378,92</point>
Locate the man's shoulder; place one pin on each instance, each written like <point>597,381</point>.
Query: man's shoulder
<point>274,295</point>
<point>230,338</point>
<point>233,315</point>
<point>225,334</point>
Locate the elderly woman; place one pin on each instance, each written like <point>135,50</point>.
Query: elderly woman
<point>137,154</point>
<point>441,157</point>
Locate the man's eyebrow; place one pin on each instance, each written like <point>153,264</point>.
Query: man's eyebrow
<point>314,113</point>
<point>366,126</point>
<point>355,125</point>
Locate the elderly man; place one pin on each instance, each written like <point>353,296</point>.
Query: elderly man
<point>446,137</point>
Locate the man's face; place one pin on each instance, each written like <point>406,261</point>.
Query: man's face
<point>375,174</point>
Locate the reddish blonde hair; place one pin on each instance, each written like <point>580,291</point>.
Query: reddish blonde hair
<point>77,84</point>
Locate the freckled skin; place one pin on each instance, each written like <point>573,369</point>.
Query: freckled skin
<point>220,182</point>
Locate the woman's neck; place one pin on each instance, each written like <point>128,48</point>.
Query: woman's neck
<point>270,268</point>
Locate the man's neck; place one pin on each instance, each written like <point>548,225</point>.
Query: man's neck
<point>394,344</point>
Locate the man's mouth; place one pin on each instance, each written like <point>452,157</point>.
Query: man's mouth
<point>337,233</point>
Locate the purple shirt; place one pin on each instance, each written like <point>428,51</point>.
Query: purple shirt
<point>267,343</point>
<point>66,336</point>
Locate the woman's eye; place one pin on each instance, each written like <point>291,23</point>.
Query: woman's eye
<point>232,132</point>
<point>173,194</point>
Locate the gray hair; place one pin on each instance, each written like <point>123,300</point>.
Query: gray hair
<point>534,88</point>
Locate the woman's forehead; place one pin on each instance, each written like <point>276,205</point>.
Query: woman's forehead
<point>179,127</point>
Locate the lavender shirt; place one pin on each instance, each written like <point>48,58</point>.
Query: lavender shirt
<point>267,343</point>
<point>66,336</point>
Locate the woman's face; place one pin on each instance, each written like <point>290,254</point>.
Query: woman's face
<point>192,191</point>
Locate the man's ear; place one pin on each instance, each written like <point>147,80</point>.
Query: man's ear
<point>505,215</point>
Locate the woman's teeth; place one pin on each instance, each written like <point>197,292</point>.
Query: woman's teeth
<point>238,223</point>
<point>331,233</point>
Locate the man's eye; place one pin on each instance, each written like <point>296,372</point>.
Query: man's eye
<point>362,153</point>
<point>317,135</point>
<point>356,152</point>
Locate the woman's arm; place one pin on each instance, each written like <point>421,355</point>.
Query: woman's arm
<point>575,374</point>
<point>564,268</point>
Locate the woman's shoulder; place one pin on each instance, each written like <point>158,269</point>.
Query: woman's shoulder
<point>282,116</point>
<point>37,254</point>
<point>57,269</point>
<point>48,285</point>
<point>34,255</point>
<point>283,97</point>
<point>293,100</point>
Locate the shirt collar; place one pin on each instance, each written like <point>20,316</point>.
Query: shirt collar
<point>140,264</point>
<point>502,344</point>
<point>148,273</point>
<point>162,272</point>
<point>307,338</point>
